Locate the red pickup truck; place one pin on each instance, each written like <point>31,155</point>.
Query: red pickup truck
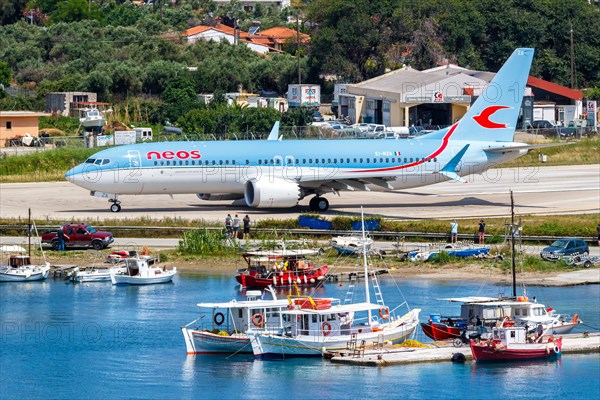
<point>80,235</point>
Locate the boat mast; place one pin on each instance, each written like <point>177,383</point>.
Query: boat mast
<point>364,244</point>
<point>512,244</point>
<point>29,234</point>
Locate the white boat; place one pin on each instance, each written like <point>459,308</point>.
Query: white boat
<point>315,326</point>
<point>95,274</point>
<point>92,118</point>
<point>20,269</point>
<point>142,270</point>
<point>221,327</point>
<point>351,244</point>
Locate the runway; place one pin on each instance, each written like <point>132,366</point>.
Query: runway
<point>537,190</point>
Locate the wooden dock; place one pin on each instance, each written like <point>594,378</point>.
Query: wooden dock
<point>440,352</point>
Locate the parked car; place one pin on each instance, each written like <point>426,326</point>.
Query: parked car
<point>548,129</point>
<point>565,247</point>
<point>317,116</point>
<point>80,235</point>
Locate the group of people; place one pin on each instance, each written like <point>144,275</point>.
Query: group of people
<point>232,227</point>
<point>454,231</point>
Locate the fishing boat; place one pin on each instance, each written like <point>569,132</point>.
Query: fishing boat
<point>280,268</point>
<point>142,270</point>
<point>352,244</point>
<point>482,313</point>
<point>514,343</point>
<point>315,326</point>
<point>221,327</point>
<point>92,118</point>
<point>20,268</point>
<point>451,250</point>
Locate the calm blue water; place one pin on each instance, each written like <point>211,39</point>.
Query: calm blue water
<point>98,341</point>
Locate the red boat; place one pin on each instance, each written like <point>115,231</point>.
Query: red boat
<point>280,268</point>
<point>443,328</point>
<point>513,343</point>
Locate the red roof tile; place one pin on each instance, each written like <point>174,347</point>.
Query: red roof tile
<point>555,88</point>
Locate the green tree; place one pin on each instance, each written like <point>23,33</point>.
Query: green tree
<point>5,73</point>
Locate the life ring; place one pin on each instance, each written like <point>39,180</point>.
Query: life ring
<point>575,318</point>
<point>219,318</point>
<point>384,313</point>
<point>257,320</point>
<point>326,327</point>
<point>556,350</point>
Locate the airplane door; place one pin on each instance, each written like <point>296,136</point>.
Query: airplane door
<point>135,159</point>
<point>134,173</point>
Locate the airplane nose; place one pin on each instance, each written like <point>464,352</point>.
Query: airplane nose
<point>76,175</point>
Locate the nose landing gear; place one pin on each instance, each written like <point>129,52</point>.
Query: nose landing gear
<point>115,206</point>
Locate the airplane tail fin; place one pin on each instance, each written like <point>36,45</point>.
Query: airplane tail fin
<point>493,116</point>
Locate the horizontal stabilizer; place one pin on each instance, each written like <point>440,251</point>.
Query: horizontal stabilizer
<point>449,169</point>
<point>506,149</point>
<point>453,175</point>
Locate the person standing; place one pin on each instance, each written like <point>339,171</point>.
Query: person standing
<point>228,225</point>
<point>61,239</point>
<point>236,226</point>
<point>453,231</point>
<point>481,231</point>
<point>598,231</point>
<point>246,227</point>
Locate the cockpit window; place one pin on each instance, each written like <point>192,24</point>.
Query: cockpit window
<point>90,161</point>
<point>105,161</point>
<point>98,161</point>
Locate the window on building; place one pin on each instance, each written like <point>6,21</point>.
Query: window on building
<point>8,124</point>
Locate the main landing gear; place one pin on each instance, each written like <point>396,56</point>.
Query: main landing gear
<point>318,203</point>
<point>115,206</point>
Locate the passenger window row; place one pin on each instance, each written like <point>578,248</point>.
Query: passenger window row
<point>291,161</point>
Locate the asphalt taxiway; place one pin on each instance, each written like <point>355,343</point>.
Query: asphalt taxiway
<point>537,190</point>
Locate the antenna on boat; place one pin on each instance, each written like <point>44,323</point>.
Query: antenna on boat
<point>364,244</point>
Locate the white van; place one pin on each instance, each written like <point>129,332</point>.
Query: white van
<point>143,134</point>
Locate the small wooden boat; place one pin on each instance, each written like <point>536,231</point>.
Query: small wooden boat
<point>514,343</point>
<point>351,244</point>
<point>96,274</point>
<point>142,270</point>
<point>280,268</point>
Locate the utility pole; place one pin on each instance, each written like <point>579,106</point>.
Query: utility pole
<point>298,45</point>
<point>572,60</point>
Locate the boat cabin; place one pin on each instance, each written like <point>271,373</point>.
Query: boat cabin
<point>492,311</point>
<point>240,316</point>
<point>510,335</point>
<point>19,260</point>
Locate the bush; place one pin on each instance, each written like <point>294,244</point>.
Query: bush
<point>203,242</point>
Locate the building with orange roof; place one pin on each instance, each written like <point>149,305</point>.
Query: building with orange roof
<point>221,32</point>
<point>278,36</point>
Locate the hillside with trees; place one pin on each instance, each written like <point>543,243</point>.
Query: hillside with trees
<point>133,55</point>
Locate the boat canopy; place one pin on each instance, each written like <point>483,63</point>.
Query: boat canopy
<point>470,299</point>
<point>338,309</point>
<point>274,254</point>
<point>11,248</point>
<point>246,304</point>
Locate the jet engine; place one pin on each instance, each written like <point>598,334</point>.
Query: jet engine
<point>276,194</point>
<point>219,196</point>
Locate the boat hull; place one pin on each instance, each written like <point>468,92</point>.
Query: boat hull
<point>138,280</point>
<point>439,331</point>
<point>18,275</point>
<point>486,352</point>
<point>202,342</point>
<point>285,280</point>
<point>273,346</point>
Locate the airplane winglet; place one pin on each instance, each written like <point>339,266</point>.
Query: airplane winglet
<point>274,135</point>
<point>449,169</point>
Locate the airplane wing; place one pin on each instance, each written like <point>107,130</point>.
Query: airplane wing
<point>506,149</point>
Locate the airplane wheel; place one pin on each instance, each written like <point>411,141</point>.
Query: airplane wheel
<point>321,204</point>
<point>115,207</point>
